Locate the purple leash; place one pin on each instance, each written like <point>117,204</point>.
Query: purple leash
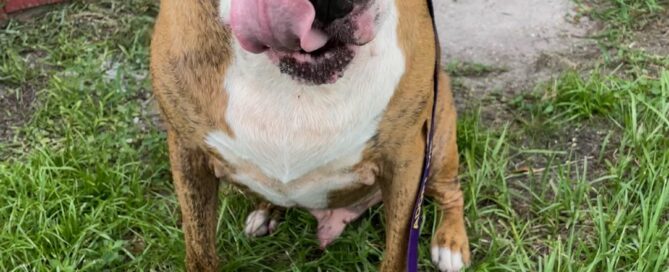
<point>417,214</point>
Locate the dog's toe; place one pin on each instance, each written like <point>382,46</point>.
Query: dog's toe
<point>259,223</point>
<point>447,260</point>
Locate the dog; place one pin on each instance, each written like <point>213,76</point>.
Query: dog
<point>316,104</point>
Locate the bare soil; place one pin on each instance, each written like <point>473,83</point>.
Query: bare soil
<point>530,40</point>
<point>15,108</point>
<point>653,38</point>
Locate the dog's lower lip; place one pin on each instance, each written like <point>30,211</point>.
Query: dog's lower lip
<point>325,65</point>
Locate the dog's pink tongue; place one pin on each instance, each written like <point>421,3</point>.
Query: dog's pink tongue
<point>283,25</point>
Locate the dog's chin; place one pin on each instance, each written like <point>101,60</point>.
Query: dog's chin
<point>323,66</point>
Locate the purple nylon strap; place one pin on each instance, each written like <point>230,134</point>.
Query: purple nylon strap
<point>416,218</point>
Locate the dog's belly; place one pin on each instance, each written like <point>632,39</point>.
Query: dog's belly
<point>320,189</point>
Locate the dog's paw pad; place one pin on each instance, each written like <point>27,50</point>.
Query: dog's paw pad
<point>259,223</point>
<point>447,260</point>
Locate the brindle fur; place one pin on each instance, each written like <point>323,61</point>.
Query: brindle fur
<point>190,53</point>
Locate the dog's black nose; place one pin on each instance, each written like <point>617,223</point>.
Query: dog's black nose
<point>330,10</point>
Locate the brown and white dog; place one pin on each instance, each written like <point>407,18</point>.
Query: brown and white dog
<point>316,104</point>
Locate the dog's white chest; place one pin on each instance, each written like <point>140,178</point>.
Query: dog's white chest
<point>290,132</point>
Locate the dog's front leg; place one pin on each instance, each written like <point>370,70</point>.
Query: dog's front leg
<point>197,191</point>
<point>399,187</point>
<point>450,245</point>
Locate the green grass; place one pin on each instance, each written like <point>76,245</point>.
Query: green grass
<point>85,183</point>
<point>627,13</point>
<point>565,218</point>
<point>468,69</point>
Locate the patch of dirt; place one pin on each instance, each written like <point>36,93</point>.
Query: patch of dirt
<point>16,107</point>
<point>531,40</point>
<point>593,141</point>
<point>17,102</point>
<point>654,37</point>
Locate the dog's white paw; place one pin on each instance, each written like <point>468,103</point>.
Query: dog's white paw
<point>259,223</point>
<point>447,260</point>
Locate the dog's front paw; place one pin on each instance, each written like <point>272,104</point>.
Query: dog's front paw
<point>450,249</point>
<point>447,260</point>
<point>260,223</point>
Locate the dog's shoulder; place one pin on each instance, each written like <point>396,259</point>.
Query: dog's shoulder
<point>190,53</point>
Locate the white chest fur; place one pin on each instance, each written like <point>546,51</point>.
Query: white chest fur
<point>289,132</point>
